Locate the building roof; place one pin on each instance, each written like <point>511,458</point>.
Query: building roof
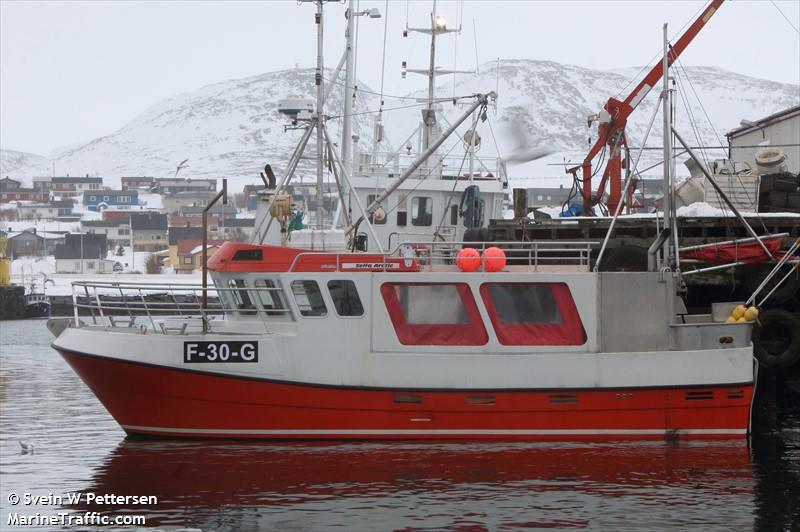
<point>7,179</point>
<point>78,180</point>
<point>145,179</point>
<point>89,251</point>
<point>187,246</point>
<point>106,192</point>
<point>150,220</point>
<point>761,122</point>
<point>182,233</point>
<point>103,223</point>
<point>238,222</point>
<point>198,209</point>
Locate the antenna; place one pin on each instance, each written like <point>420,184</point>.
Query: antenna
<point>475,40</point>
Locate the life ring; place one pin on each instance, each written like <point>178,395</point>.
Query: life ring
<point>776,339</point>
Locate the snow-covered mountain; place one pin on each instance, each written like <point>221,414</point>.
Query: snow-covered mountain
<point>230,129</point>
<point>11,161</point>
<point>550,103</point>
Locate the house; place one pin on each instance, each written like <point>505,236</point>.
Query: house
<point>86,259</point>
<point>45,211</point>
<point>177,234</point>
<point>781,130</point>
<point>220,209</point>
<point>172,203</point>
<point>250,193</point>
<point>149,231</point>
<point>237,229</point>
<point>42,183</point>
<point>547,197</point>
<point>142,184</point>
<point>83,240</point>
<point>117,232</point>
<point>70,187</point>
<point>190,254</point>
<point>32,243</point>
<point>12,190</point>
<point>95,200</point>
<point>171,185</point>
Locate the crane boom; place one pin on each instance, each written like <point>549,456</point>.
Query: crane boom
<point>613,117</point>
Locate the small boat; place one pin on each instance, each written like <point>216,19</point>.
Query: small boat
<point>36,305</point>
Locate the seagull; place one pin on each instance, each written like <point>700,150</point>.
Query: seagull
<point>27,448</point>
<point>523,150</point>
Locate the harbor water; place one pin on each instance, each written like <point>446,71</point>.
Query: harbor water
<point>247,486</point>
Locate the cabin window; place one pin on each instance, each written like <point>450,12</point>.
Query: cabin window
<point>270,296</point>
<point>345,298</point>
<point>434,314</point>
<point>241,298</point>
<point>373,219</point>
<point>402,212</point>
<point>308,297</point>
<point>422,211</point>
<point>533,313</point>
<point>454,215</point>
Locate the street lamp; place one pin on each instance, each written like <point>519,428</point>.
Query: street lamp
<point>440,21</point>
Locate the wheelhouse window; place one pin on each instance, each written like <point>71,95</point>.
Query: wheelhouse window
<point>270,296</point>
<point>533,313</point>
<point>309,300</point>
<point>241,298</point>
<point>345,298</point>
<point>434,314</point>
<point>422,211</point>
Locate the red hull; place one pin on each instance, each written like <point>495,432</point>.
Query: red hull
<point>154,400</point>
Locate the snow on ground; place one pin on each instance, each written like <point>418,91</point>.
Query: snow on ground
<point>695,210</point>
<point>130,262</point>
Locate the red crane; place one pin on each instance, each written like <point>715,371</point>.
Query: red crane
<point>612,119</point>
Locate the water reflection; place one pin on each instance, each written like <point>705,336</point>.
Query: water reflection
<point>419,485</point>
<point>232,486</point>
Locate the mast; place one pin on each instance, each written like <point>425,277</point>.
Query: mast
<point>319,114</point>
<point>666,203</point>
<point>429,119</point>
<point>348,88</point>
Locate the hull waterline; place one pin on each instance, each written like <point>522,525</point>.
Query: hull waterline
<point>160,401</point>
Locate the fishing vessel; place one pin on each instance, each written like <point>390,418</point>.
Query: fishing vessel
<point>421,339</point>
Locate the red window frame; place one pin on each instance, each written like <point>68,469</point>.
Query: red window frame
<point>569,331</point>
<point>472,332</point>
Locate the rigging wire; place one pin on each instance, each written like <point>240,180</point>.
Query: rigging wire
<point>659,53</point>
<point>383,59</point>
<point>784,16</point>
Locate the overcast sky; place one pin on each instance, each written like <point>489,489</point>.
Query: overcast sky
<point>73,71</point>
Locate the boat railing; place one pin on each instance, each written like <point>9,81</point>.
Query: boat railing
<point>168,308</point>
<point>392,164</point>
<point>427,255</point>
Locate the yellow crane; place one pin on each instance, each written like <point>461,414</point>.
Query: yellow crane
<point>5,268</point>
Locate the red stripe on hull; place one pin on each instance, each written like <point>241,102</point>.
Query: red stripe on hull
<point>162,401</point>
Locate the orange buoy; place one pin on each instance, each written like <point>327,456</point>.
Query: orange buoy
<point>468,260</point>
<point>494,259</point>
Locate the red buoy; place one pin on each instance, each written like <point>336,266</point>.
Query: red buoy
<point>468,260</point>
<point>494,259</point>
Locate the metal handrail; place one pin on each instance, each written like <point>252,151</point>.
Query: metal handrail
<point>538,251</point>
<point>104,299</point>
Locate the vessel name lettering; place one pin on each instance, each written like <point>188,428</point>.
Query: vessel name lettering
<point>220,351</point>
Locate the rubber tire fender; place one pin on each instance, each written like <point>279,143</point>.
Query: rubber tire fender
<point>788,356</point>
<point>625,259</point>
